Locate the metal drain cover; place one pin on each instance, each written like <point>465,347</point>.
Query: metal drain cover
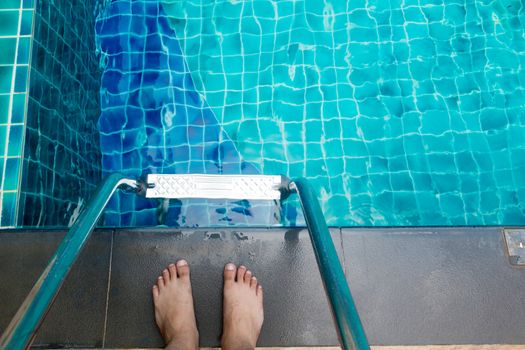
<point>515,239</point>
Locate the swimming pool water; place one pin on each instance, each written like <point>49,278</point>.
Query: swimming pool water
<point>400,112</point>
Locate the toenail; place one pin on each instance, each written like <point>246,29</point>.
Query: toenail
<point>160,277</point>
<point>254,278</point>
<point>171,265</point>
<point>182,263</point>
<point>230,267</point>
<point>155,286</point>
<point>242,267</point>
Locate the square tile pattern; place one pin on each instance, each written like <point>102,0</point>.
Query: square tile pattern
<point>404,113</point>
<point>61,160</point>
<point>16,18</point>
<point>392,110</point>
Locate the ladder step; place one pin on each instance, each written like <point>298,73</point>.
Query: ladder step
<point>263,187</point>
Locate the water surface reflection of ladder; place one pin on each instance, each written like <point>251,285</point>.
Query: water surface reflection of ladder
<point>22,329</point>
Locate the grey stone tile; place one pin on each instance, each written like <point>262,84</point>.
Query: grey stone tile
<point>296,310</point>
<point>77,316</point>
<point>411,286</point>
<point>435,286</point>
<point>23,257</point>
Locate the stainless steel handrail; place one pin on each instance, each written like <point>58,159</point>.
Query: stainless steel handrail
<point>348,324</point>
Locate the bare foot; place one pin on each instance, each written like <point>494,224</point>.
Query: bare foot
<point>243,309</point>
<point>174,307</point>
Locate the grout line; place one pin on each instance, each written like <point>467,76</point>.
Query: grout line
<point>343,250</point>
<point>107,291</point>
<point>9,118</point>
<point>18,211</point>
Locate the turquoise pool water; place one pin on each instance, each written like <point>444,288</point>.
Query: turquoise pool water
<point>400,112</point>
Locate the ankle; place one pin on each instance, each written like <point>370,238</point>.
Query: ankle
<point>234,342</point>
<point>186,344</point>
<point>173,335</point>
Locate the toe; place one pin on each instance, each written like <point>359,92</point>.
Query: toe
<point>253,283</point>
<point>240,273</point>
<point>160,282</point>
<point>183,269</point>
<point>166,276</point>
<point>247,277</point>
<point>260,293</point>
<point>229,272</point>
<point>155,291</point>
<point>173,271</point>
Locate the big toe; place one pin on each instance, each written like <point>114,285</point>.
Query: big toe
<point>183,269</point>
<point>229,272</point>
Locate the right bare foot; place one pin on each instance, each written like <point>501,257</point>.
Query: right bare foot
<point>174,307</point>
<point>243,314</point>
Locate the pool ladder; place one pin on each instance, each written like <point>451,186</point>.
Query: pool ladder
<point>24,325</point>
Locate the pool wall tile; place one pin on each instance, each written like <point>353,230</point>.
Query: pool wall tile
<point>9,22</point>
<point>3,139</point>
<point>8,208</point>
<point>18,108</point>
<point>27,22</point>
<point>15,41</point>
<point>425,100</point>
<point>24,43</point>
<point>21,79</point>
<point>405,117</point>
<point>8,49</point>
<point>152,131</point>
<point>6,78</point>
<point>28,4</point>
<point>61,158</point>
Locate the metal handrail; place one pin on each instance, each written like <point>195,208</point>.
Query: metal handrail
<point>24,325</point>
<point>349,328</point>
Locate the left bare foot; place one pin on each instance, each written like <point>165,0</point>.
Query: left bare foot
<point>174,311</point>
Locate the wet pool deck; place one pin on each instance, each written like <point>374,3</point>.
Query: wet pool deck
<point>411,285</point>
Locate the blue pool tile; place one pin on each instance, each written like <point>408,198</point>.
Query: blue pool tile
<point>28,4</point>
<point>3,139</point>
<point>8,50</point>
<point>27,22</point>
<point>21,79</point>
<point>12,166</point>
<point>4,109</point>
<point>15,140</point>
<point>6,75</point>
<point>10,4</point>
<point>430,107</point>
<point>8,208</point>
<point>8,22</point>
<point>24,44</point>
<point>19,105</point>
<point>64,84</point>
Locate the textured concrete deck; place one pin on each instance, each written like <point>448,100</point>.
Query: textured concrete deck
<point>412,286</point>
